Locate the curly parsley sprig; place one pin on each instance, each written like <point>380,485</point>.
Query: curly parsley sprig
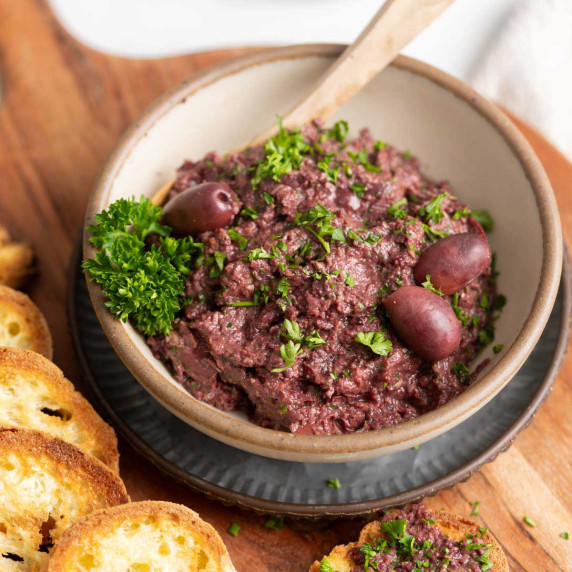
<point>142,284</point>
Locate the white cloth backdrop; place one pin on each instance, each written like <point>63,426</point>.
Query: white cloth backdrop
<point>518,52</point>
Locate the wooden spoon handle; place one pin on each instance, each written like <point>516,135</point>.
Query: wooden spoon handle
<point>392,28</point>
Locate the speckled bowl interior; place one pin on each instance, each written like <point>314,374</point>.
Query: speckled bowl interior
<point>458,136</point>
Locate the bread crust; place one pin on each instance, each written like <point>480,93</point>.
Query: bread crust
<point>453,526</point>
<point>47,485</point>
<point>37,444</point>
<point>16,261</point>
<point>71,544</point>
<point>30,320</point>
<point>102,441</point>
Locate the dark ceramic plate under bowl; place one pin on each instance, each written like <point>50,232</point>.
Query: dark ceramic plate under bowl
<point>299,489</point>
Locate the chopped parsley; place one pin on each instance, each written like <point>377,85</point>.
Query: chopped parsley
<point>325,565</point>
<point>282,153</point>
<point>334,484</point>
<point>395,210</point>
<point>498,348</point>
<point>564,535</point>
<point>233,529</point>
<point>268,199</point>
<point>250,212</point>
<point>486,335</point>
<point>259,253</point>
<point>432,211</point>
<point>283,287</point>
<point>235,236</point>
<point>318,221</point>
<point>378,342</point>
<point>274,523</point>
<point>288,352</point>
<point>427,284</point>
<point>314,340</point>
<point>358,189</point>
<point>339,131</point>
<point>483,217</point>
<point>293,333</point>
<point>461,371</point>
<point>331,172</point>
<point>463,317</point>
<point>292,330</point>
<point>144,285</point>
<point>475,505</point>
<point>362,158</point>
<point>433,234</point>
<point>461,213</point>
<point>529,521</point>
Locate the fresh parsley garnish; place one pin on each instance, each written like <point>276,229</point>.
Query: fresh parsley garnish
<point>483,217</point>
<point>461,213</point>
<point>395,529</point>
<point>462,316</point>
<point>293,333</point>
<point>339,131</point>
<point>432,210</point>
<point>475,505</point>
<point>318,221</point>
<point>334,484</point>
<point>325,565</point>
<point>498,348</point>
<point>144,285</point>
<point>427,284</point>
<point>233,529</point>
<point>395,210</point>
<point>250,212</point>
<point>282,154</point>
<point>235,236</point>
<point>378,342</point>
<point>461,371</point>
<point>292,330</point>
<point>433,234</point>
<point>274,523</point>
<point>283,287</point>
<point>358,189</point>
<point>288,352</point>
<point>362,158</point>
<point>529,521</point>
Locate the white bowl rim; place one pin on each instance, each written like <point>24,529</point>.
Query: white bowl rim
<point>249,436</point>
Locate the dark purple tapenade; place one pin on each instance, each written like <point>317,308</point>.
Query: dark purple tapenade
<point>410,541</point>
<point>268,267</point>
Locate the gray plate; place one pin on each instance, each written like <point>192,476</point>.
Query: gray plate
<point>299,489</point>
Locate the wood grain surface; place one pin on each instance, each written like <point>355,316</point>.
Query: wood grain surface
<point>63,108</point>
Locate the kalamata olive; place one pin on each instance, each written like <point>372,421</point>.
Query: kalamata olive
<point>424,321</point>
<point>454,261</point>
<point>207,206</point>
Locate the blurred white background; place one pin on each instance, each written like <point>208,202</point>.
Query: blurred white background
<point>518,52</point>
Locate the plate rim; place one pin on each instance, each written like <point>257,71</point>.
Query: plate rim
<point>354,509</point>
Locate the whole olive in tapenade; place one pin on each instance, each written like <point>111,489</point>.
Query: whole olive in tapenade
<point>454,262</point>
<point>207,206</point>
<point>424,321</point>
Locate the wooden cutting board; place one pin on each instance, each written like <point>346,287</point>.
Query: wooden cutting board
<point>64,107</point>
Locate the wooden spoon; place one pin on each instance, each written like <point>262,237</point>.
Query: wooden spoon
<point>392,28</point>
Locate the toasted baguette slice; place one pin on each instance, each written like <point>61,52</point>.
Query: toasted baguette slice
<point>16,261</point>
<point>453,527</point>
<point>34,394</point>
<point>22,325</point>
<point>151,535</point>
<point>46,485</point>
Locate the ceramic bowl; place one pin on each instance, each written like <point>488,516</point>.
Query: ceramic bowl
<point>459,136</point>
